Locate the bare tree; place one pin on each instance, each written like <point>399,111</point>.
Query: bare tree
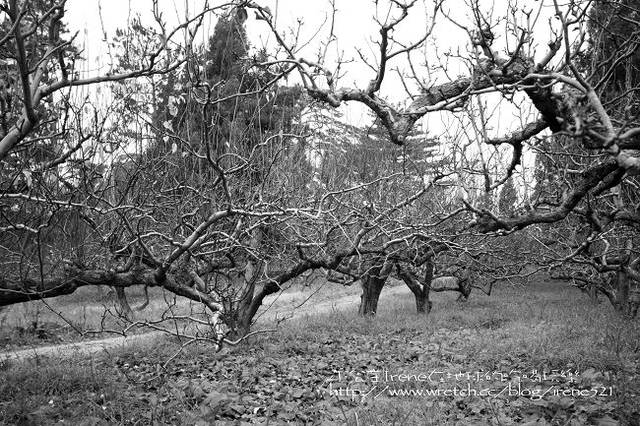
<point>574,109</point>
<point>202,174</point>
<point>177,182</point>
<point>90,197</point>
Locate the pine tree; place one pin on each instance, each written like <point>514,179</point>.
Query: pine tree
<point>508,197</point>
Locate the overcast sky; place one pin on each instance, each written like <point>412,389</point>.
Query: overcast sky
<point>354,27</point>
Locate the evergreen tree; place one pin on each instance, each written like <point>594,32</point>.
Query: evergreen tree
<point>508,197</point>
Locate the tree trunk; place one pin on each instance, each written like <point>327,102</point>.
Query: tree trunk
<point>621,295</point>
<point>242,325</point>
<point>634,302</point>
<point>627,299</point>
<point>426,289</point>
<point>464,286</point>
<point>371,289</point>
<point>244,310</point>
<point>622,290</point>
<point>126,310</point>
<point>420,291</point>
<point>238,316</point>
<point>240,313</point>
<point>423,304</point>
<point>372,284</point>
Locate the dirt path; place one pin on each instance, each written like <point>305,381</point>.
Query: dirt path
<point>280,309</point>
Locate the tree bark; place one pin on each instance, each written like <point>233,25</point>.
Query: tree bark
<point>372,283</point>
<point>622,290</point>
<point>125,308</point>
<point>423,304</point>
<point>420,291</point>
<point>240,313</point>
<point>243,313</point>
<point>627,300</point>
<point>634,302</point>
<point>621,295</point>
<point>371,289</point>
<point>627,297</point>
<point>464,286</point>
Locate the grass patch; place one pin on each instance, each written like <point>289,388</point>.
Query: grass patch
<point>316,369</point>
<point>47,393</point>
<point>67,319</point>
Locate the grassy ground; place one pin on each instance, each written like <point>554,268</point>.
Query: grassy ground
<point>337,368</point>
<point>93,313</point>
<point>63,319</point>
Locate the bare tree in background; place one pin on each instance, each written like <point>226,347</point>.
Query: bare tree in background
<point>584,116</point>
